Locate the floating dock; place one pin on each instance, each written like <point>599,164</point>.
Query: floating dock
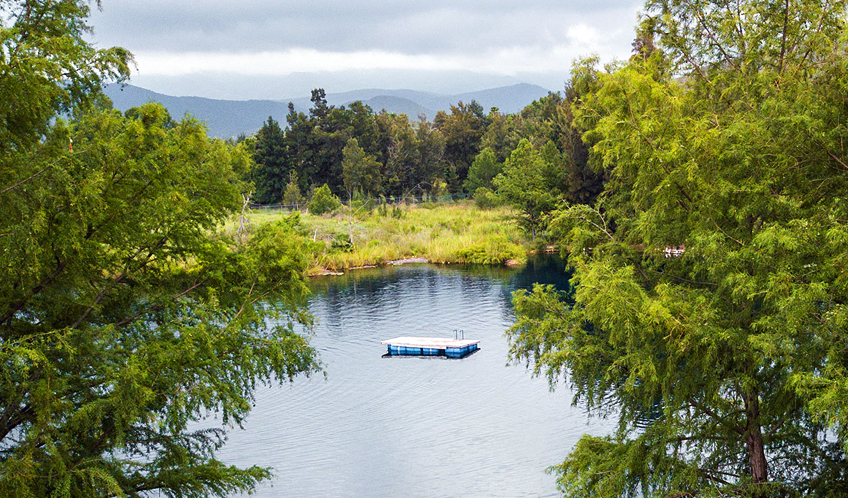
<point>431,346</point>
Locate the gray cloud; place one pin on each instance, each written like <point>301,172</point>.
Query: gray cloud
<point>437,26</point>
<point>185,45</point>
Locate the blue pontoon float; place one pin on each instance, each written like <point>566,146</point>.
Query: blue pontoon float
<point>431,346</point>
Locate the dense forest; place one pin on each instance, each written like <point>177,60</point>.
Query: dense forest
<point>696,190</point>
<point>356,151</point>
<point>534,160</point>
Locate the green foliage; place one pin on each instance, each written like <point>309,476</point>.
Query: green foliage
<point>550,120</point>
<point>361,171</point>
<point>500,136</point>
<point>273,170</point>
<point>462,129</point>
<point>124,317</point>
<point>485,198</point>
<point>395,156</point>
<point>494,251</point>
<point>323,201</point>
<point>35,88</point>
<point>292,195</point>
<point>719,363</point>
<point>529,183</point>
<point>463,149</point>
<point>484,168</point>
<point>431,155</point>
<point>124,321</point>
<point>406,167</point>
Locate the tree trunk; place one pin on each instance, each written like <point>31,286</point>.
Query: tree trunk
<point>754,440</point>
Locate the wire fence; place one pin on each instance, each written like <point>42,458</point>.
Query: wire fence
<point>372,201</point>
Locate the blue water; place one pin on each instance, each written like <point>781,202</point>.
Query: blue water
<point>411,426</point>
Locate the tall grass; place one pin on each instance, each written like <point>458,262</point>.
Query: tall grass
<point>446,233</point>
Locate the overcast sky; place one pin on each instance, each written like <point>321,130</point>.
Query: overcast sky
<point>532,41</point>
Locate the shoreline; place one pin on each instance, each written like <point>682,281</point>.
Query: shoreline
<point>319,271</point>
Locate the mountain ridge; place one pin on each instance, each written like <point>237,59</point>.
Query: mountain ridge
<point>229,118</point>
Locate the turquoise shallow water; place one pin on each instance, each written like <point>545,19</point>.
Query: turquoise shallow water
<point>411,426</point>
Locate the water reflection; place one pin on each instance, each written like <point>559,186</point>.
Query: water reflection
<point>544,269</point>
<point>413,426</point>
<point>436,357</point>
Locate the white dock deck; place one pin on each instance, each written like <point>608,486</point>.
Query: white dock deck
<point>429,342</point>
<point>431,346</point>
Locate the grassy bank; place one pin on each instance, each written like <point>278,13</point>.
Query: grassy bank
<point>446,233</point>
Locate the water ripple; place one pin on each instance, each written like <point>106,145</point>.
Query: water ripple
<point>411,426</point>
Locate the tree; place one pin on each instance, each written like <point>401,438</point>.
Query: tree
<point>364,127</point>
<point>528,182</point>
<point>319,109</point>
<point>314,142</point>
<point>430,154</point>
<point>500,135</point>
<point>124,316</point>
<point>300,146</point>
<point>399,154</point>
<point>123,321</point>
<point>35,87</point>
<point>361,171</point>
<point>725,141</point>
<point>463,129</point>
<point>292,195</point>
<point>272,162</point>
<point>483,170</point>
<point>550,119</point>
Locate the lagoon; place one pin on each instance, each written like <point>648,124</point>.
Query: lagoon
<point>414,426</point>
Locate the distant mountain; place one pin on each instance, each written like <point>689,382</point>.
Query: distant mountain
<point>509,99</point>
<point>397,105</point>
<point>228,118</point>
<point>224,118</point>
<point>233,86</point>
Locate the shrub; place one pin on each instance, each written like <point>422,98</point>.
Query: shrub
<point>492,252</point>
<point>323,201</point>
<point>341,243</point>
<point>485,198</point>
<point>292,196</point>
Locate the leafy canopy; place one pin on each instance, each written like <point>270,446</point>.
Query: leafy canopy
<point>124,315</point>
<point>483,170</point>
<point>360,170</point>
<point>529,181</point>
<point>722,136</point>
